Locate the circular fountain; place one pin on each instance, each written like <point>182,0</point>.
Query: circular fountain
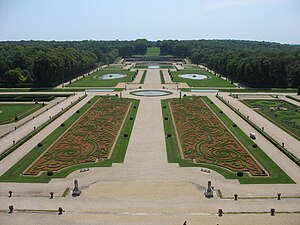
<point>194,76</point>
<point>110,76</point>
<point>151,93</point>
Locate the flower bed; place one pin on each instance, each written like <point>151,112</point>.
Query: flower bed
<point>204,137</point>
<point>89,139</point>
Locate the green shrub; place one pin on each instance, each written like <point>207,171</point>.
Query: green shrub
<point>50,173</point>
<point>240,173</point>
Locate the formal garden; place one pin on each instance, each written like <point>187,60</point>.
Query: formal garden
<point>199,78</point>
<point>104,78</point>
<point>199,134</point>
<point>87,139</point>
<point>10,113</point>
<point>281,113</point>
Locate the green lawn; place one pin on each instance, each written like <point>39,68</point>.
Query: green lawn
<point>94,81</point>
<point>153,51</point>
<point>118,155</point>
<point>212,81</point>
<point>9,111</point>
<point>277,174</point>
<point>281,113</point>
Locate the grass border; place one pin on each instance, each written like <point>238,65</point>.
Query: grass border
<point>143,77</point>
<point>162,78</point>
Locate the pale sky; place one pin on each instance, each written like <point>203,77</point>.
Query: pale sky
<point>265,20</point>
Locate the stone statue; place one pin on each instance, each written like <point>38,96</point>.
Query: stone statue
<point>76,190</point>
<point>209,191</point>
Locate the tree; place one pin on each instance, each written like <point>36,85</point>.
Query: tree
<point>12,76</point>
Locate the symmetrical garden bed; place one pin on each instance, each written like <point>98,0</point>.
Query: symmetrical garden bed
<point>199,134</point>
<point>213,80</point>
<point>94,81</point>
<point>205,138</point>
<point>89,139</point>
<point>282,113</point>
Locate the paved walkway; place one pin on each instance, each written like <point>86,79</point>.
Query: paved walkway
<point>167,77</point>
<point>138,77</point>
<point>5,128</point>
<point>24,130</point>
<point>292,144</point>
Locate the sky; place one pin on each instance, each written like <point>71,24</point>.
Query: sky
<point>262,20</point>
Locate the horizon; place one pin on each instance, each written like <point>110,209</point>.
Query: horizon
<point>276,21</point>
<point>206,39</point>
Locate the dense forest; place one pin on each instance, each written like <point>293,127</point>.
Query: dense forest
<point>48,63</point>
<point>254,64</point>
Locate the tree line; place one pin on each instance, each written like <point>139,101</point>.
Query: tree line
<point>252,63</point>
<point>48,63</point>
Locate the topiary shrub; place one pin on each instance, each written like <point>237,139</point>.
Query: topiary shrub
<point>164,107</point>
<point>211,102</point>
<point>184,95</point>
<point>131,118</point>
<point>134,107</point>
<point>240,173</point>
<point>77,111</point>
<point>16,118</point>
<point>166,118</point>
<point>169,135</point>
<point>50,173</point>
<point>234,125</point>
<point>254,145</point>
<point>125,135</point>
<point>40,144</point>
<point>89,101</point>
<point>62,125</point>
<point>221,112</point>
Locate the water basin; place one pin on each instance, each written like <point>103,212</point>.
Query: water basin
<point>153,67</point>
<point>193,76</point>
<point>150,93</point>
<point>110,76</point>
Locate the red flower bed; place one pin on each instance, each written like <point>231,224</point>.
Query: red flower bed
<point>204,137</point>
<point>87,140</point>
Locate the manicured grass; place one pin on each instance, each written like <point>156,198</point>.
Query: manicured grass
<point>30,97</point>
<point>277,174</point>
<point>153,51</point>
<point>191,67</point>
<point>143,77</point>
<point>246,90</point>
<point>162,78</point>
<point>282,113</point>
<point>93,81</point>
<point>13,174</point>
<point>212,81</point>
<point>9,111</point>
